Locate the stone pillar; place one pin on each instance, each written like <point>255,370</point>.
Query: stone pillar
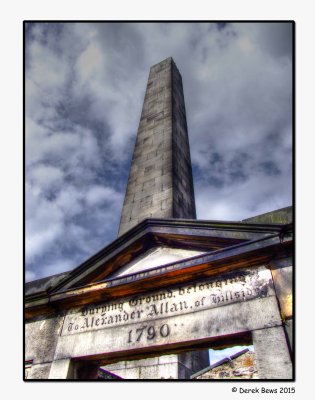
<point>38,371</point>
<point>273,357</point>
<point>160,181</point>
<point>62,369</point>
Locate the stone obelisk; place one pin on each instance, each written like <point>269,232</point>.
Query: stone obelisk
<point>160,186</point>
<point>160,181</point>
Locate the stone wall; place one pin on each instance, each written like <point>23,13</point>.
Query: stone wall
<point>41,337</point>
<point>280,216</point>
<point>171,366</point>
<point>158,321</point>
<point>242,367</point>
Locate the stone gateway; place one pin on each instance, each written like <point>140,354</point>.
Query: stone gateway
<point>150,304</point>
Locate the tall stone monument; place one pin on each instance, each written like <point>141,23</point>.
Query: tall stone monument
<point>150,304</point>
<point>160,181</point>
<point>160,185</point>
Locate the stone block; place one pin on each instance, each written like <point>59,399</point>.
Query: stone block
<point>212,308</point>
<point>273,357</point>
<point>39,371</point>
<point>41,336</point>
<point>62,368</point>
<point>154,371</point>
<point>283,284</point>
<point>288,326</point>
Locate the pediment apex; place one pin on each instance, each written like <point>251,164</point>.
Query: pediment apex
<point>186,237</point>
<point>155,257</point>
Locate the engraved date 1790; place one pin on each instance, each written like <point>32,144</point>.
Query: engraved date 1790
<point>148,332</point>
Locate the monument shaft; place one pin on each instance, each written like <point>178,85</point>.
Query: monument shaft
<point>160,181</point>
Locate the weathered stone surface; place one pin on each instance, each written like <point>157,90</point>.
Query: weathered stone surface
<point>155,371</point>
<point>145,362</point>
<point>164,367</point>
<point>273,358</point>
<point>173,366</point>
<point>38,371</point>
<point>41,337</point>
<point>179,300</point>
<point>43,284</point>
<point>221,313</point>
<point>232,319</point>
<point>160,180</point>
<point>207,309</point>
<point>283,284</point>
<point>288,326</point>
<point>280,216</point>
<point>62,369</point>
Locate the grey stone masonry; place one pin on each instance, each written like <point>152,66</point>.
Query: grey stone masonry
<point>160,181</point>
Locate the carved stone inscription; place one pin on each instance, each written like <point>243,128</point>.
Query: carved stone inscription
<point>178,300</point>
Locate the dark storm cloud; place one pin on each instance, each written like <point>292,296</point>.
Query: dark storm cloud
<point>273,38</point>
<point>84,91</point>
<point>123,41</point>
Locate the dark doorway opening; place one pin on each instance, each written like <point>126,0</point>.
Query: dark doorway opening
<point>144,365</point>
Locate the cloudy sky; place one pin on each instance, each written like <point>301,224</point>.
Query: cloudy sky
<point>84,90</point>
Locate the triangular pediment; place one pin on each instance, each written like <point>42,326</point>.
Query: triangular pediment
<point>159,253</point>
<point>155,257</point>
<point>154,243</point>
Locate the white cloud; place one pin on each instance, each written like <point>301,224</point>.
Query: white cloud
<point>70,201</point>
<point>36,243</point>
<point>236,201</point>
<point>48,71</point>
<point>90,62</point>
<point>46,176</point>
<point>99,195</point>
<point>44,222</point>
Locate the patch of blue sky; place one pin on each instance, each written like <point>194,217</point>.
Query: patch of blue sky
<point>218,355</point>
